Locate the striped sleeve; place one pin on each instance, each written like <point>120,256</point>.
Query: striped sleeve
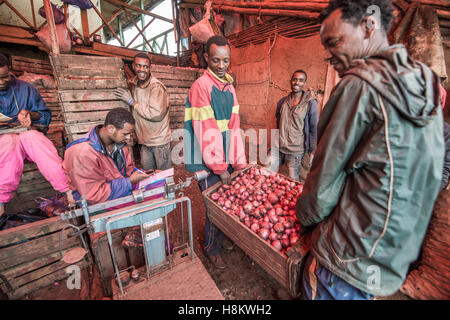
<point>236,151</point>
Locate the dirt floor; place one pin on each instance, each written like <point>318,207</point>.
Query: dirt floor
<point>241,280</point>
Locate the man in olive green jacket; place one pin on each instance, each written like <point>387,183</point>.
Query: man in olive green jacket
<point>378,165</point>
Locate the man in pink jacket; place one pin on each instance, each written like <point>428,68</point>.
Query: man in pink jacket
<point>20,102</point>
<point>99,166</point>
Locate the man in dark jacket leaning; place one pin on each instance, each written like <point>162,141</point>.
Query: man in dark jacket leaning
<point>378,164</point>
<point>297,116</point>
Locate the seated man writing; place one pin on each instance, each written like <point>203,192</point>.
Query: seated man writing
<point>99,166</point>
<point>20,102</point>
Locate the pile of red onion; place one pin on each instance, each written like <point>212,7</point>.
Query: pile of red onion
<point>265,202</point>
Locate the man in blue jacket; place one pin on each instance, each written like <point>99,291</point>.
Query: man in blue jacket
<point>20,102</point>
<point>297,117</point>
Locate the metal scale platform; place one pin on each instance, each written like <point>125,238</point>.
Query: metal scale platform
<point>168,273</point>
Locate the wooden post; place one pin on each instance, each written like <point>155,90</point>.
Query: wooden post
<point>175,30</point>
<point>85,26</point>
<point>52,27</point>
<point>34,14</point>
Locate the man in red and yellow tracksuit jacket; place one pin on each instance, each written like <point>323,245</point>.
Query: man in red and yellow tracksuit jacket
<point>212,138</point>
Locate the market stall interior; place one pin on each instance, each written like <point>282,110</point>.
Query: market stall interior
<point>149,244</point>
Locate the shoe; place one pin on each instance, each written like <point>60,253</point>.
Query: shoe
<point>217,261</point>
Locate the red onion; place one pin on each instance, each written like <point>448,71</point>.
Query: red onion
<point>277,245</point>
<point>254,227</point>
<point>247,206</point>
<point>285,243</point>
<point>227,204</point>
<point>263,233</point>
<point>274,236</point>
<point>265,225</point>
<point>272,197</point>
<point>278,227</point>
<point>226,186</point>
<point>220,190</point>
<point>215,196</point>
<point>293,239</point>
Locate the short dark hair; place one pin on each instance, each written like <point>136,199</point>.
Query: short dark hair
<point>4,61</point>
<point>218,41</point>
<point>355,10</point>
<point>144,56</point>
<point>301,71</point>
<point>118,117</point>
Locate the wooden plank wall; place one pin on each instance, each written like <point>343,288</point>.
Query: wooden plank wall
<point>177,80</point>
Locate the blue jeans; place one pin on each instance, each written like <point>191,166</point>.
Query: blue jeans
<point>293,164</point>
<point>213,235</point>
<point>329,286</point>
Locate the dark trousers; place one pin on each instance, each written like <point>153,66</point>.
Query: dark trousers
<point>213,235</point>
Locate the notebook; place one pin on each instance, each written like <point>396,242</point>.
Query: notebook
<point>156,177</point>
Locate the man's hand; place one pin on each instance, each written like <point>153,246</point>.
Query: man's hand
<point>225,177</point>
<point>123,95</point>
<point>24,118</point>
<point>137,176</point>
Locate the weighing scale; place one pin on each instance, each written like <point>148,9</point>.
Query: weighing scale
<point>147,209</point>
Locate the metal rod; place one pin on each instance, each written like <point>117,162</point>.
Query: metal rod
<point>111,19</point>
<point>119,22</point>
<point>103,19</point>
<point>113,256</point>
<point>34,14</point>
<point>135,37</point>
<point>139,30</point>
<point>137,9</point>
<point>147,268</point>
<point>18,13</point>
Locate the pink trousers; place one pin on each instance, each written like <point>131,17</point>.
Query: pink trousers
<point>33,146</point>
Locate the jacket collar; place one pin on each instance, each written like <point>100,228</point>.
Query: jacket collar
<point>228,79</point>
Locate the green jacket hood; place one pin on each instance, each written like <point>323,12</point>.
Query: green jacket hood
<point>399,79</point>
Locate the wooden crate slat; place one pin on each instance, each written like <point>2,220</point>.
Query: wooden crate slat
<point>32,249</point>
<point>87,95</point>
<point>39,228</point>
<point>174,75</point>
<point>176,90</point>
<point>92,106</point>
<point>83,61</point>
<point>67,84</point>
<point>88,73</point>
<point>44,281</point>
<point>30,60</point>
<point>90,116</point>
<point>81,127</point>
<point>177,83</point>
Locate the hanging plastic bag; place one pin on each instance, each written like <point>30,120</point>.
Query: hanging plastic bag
<point>57,14</point>
<point>82,4</point>
<point>202,30</point>
<point>62,34</point>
